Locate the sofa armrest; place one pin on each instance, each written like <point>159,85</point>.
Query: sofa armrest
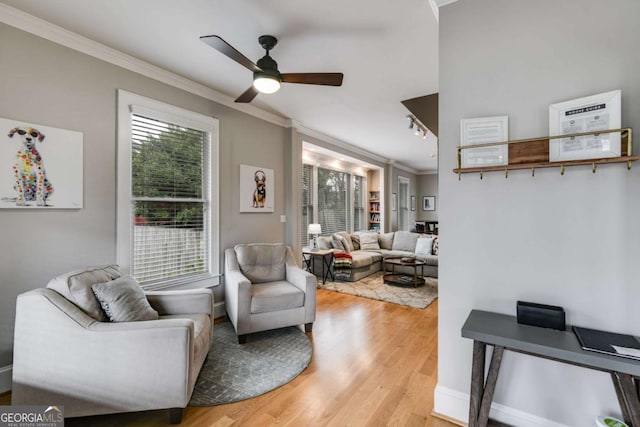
<point>306,282</point>
<point>237,293</point>
<point>86,365</point>
<point>191,301</point>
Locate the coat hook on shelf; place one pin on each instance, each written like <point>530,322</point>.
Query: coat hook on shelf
<point>533,172</point>
<point>506,173</point>
<point>481,175</point>
<point>459,175</point>
<point>561,169</point>
<point>593,167</point>
<point>628,165</point>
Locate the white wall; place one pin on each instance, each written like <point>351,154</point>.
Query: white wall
<point>569,240</point>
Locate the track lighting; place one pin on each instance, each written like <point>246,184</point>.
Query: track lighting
<point>420,128</point>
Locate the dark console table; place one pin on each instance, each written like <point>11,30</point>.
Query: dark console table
<point>504,333</point>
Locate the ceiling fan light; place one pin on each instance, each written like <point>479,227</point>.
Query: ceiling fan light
<point>266,83</point>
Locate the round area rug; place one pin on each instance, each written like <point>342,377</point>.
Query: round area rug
<point>234,372</point>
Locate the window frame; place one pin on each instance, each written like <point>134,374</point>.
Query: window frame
<point>128,104</point>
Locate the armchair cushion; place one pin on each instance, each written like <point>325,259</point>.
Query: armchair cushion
<point>275,296</point>
<point>262,262</point>
<point>123,300</point>
<point>75,286</point>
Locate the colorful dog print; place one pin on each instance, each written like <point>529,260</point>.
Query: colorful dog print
<point>31,183</point>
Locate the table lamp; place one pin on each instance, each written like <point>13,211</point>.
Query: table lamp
<point>314,230</point>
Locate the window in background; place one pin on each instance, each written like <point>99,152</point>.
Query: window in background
<point>307,203</point>
<point>358,204</point>
<point>332,200</point>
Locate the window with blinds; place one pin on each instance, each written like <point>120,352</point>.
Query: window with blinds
<point>358,204</point>
<point>169,200</point>
<point>167,185</point>
<point>332,200</point>
<point>307,203</point>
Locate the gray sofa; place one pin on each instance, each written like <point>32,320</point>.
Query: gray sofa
<point>66,352</point>
<point>367,249</point>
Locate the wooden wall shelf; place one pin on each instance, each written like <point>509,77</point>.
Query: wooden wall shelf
<point>534,154</point>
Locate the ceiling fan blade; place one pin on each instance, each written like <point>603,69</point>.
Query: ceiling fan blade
<point>248,95</point>
<point>327,79</point>
<point>225,48</point>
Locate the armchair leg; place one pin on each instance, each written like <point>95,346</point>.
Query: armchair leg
<point>308,327</point>
<point>175,415</point>
<point>242,339</point>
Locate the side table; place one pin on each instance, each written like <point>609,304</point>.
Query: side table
<point>309,256</point>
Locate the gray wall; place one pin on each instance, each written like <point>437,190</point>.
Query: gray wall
<point>567,240</point>
<point>48,84</point>
<point>395,188</point>
<point>427,186</point>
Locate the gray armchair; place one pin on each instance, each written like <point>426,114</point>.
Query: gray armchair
<point>265,289</point>
<point>65,356</point>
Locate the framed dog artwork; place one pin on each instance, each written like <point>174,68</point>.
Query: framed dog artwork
<point>256,189</point>
<point>40,166</point>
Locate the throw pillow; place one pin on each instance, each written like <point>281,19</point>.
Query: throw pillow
<point>123,300</point>
<point>369,241</point>
<point>424,246</point>
<point>434,250</point>
<point>75,286</point>
<point>355,239</point>
<point>336,243</point>
<point>386,240</point>
<point>346,241</point>
<point>405,241</point>
<point>324,242</point>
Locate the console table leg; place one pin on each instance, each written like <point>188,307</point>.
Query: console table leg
<point>477,381</point>
<point>490,386</point>
<point>620,395</point>
<point>630,398</point>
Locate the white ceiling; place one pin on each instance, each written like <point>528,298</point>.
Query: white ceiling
<point>387,50</point>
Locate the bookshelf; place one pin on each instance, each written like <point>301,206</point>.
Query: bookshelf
<point>374,210</point>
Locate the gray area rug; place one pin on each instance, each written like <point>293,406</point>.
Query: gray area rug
<point>373,287</point>
<point>234,372</point>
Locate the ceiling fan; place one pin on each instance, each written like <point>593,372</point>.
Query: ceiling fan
<point>266,77</point>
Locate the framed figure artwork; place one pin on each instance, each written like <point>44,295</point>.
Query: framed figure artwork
<point>256,189</point>
<point>429,203</point>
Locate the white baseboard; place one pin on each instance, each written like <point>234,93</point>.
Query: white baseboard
<point>455,404</point>
<point>5,378</point>
<point>219,310</point>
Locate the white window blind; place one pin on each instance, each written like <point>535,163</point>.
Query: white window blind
<point>169,200</point>
<point>332,200</point>
<point>167,194</point>
<point>307,203</point>
<point>358,204</point>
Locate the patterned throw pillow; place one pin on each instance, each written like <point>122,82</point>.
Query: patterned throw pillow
<point>434,249</point>
<point>355,239</point>
<point>345,238</point>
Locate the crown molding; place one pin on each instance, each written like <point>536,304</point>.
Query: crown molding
<point>405,168</point>
<point>441,3</point>
<point>332,140</point>
<point>41,28</point>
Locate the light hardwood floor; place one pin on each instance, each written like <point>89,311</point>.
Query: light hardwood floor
<point>373,364</point>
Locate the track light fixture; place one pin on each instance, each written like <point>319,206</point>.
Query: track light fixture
<point>420,128</point>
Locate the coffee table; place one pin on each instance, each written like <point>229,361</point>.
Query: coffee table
<point>394,278</point>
